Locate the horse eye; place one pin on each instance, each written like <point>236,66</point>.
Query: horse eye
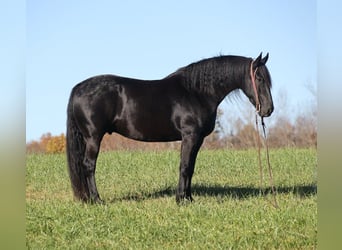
<point>259,78</point>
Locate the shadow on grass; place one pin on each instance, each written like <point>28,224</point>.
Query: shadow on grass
<point>245,192</point>
<point>224,191</point>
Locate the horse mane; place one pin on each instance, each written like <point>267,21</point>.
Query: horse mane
<point>211,75</point>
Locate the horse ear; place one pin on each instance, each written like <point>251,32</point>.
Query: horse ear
<point>256,62</point>
<point>259,61</point>
<point>264,60</point>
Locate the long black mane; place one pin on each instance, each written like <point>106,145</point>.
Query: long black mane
<point>213,74</point>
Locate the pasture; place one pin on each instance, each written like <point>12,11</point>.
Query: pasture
<point>140,212</point>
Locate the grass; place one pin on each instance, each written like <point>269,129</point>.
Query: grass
<point>140,212</point>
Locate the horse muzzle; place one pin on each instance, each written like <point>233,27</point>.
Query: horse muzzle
<point>266,112</point>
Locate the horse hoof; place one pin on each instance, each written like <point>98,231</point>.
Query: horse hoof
<point>182,200</point>
<point>100,202</point>
<point>96,200</point>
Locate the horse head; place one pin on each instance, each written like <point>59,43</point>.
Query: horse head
<point>258,86</point>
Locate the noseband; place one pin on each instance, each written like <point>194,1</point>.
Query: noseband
<point>252,74</point>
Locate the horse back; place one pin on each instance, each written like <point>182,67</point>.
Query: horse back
<point>142,110</point>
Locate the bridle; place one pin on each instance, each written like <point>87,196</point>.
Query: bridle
<point>252,75</point>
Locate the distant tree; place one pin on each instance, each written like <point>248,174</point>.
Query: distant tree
<point>56,144</point>
<point>47,144</point>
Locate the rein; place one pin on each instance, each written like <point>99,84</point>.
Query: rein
<point>258,106</point>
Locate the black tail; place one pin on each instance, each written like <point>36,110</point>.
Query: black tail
<point>75,148</point>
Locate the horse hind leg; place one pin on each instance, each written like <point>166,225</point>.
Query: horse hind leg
<point>89,162</point>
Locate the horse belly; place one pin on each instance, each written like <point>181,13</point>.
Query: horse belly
<point>159,130</point>
<point>147,125</point>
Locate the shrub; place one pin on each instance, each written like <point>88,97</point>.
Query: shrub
<point>56,144</point>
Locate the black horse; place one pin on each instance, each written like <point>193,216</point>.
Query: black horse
<point>181,106</point>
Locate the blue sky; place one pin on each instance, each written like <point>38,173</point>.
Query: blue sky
<point>69,41</point>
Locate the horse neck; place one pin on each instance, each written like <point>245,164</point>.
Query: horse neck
<point>216,81</point>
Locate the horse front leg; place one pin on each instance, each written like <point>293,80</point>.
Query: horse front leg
<point>189,149</point>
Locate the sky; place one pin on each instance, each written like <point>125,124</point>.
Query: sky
<point>69,41</point>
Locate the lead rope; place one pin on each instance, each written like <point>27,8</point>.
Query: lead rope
<point>271,182</point>
<point>274,192</point>
<point>259,154</point>
<point>258,106</point>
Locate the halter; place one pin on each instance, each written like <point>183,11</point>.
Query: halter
<point>252,74</point>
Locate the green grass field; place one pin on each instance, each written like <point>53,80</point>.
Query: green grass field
<point>140,212</point>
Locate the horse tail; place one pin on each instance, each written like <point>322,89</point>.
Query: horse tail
<point>75,148</point>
